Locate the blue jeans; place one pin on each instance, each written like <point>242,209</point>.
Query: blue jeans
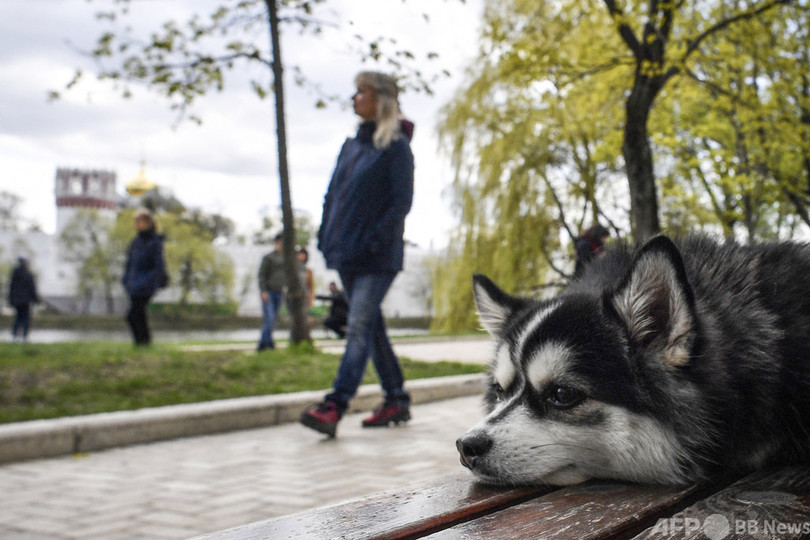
<point>365,336</point>
<point>269,312</point>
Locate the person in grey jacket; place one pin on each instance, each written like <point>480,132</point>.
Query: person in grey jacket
<point>22,292</point>
<point>361,236</point>
<point>272,281</point>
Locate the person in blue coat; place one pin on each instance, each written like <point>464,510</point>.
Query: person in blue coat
<point>144,273</point>
<point>361,236</point>
<point>22,292</point>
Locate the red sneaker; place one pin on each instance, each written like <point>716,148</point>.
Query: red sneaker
<point>322,417</point>
<point>385,414</point>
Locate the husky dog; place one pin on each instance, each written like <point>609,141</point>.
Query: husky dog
<point>671,365</point>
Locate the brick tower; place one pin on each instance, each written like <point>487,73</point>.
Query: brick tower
<point>80,189</point>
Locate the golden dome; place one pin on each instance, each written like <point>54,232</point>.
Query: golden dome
<point>140,184</point>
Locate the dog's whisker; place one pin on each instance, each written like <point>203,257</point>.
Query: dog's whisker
<point>571,445</point>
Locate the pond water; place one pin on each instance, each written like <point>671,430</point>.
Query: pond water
<point>51,335</point>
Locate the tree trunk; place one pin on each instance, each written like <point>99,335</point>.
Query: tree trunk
<point>639,161</point>
<point>186,281</point>
<point>299,331</point>
<point>110,299</point>
<point>650,77</point>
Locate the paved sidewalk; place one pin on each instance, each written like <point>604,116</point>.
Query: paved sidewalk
<point>185,487</point>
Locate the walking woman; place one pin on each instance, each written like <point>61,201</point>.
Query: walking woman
<point>361,236</point>
<point>144,274</point>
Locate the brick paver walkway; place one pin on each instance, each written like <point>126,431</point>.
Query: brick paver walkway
<point>182,488</point>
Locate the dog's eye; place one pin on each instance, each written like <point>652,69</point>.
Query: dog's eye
<point>564,397</point>
<point>498,390</point>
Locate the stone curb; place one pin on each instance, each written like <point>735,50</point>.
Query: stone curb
<point>80,434</point>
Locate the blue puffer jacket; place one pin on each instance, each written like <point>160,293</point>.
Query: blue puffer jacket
<point>370,194</point>
<point>145,268</point>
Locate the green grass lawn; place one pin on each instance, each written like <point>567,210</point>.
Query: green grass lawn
<point>65,379</point>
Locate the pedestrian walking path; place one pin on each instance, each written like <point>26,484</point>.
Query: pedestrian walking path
<point>185,487</point>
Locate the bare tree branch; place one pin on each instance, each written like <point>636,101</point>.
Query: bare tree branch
<point>695,43</point>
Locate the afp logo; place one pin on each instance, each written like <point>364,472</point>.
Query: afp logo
<point>715,526</point>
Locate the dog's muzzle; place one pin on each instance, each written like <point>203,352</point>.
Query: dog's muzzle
<point>471,446</point>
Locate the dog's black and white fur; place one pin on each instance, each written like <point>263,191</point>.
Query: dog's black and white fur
<point>671,365</point>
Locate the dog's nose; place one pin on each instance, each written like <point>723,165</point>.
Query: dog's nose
<point>471,446</point>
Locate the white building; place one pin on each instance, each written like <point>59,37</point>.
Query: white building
<point>78,189</point>
<point>75,190</point>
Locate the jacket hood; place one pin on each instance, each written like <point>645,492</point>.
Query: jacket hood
<point>407,128</point>
<point>150,233</point>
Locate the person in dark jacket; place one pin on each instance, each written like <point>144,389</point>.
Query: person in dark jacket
<point>589,245</point>
<point>338,311</point>
<point>361,236</point>
<point>22,292</point>
<point>144,273</point>
<point>272,281</point>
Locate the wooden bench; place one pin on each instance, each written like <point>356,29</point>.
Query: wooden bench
<point>772,504</point>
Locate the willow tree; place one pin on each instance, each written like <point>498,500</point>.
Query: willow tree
<point>559,94</point>
<point>534,138</point>
<point>186,61</point>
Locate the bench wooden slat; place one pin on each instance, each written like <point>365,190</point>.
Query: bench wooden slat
<point>766,504</point>
<point>405,513</point>
<point>596,509</point>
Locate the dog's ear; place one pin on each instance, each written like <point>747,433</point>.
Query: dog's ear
<point>656,302</point>
<point>494,305</point>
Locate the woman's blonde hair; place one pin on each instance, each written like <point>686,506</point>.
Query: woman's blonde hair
<point>388,114</point>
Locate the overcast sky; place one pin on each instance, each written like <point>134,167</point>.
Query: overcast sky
<point>227,165</point>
